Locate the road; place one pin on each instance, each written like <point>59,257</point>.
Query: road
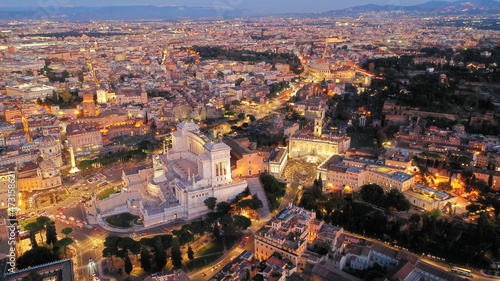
<point>88,236</point>
<point>221,262</point>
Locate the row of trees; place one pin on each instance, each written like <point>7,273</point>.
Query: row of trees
<point>220,53</point>
<point>152,253</point>
<point>394,199</point>
<point>50,249</point>
<point>274,189</point>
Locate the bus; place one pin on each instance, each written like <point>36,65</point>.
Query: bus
<point>461,271</point>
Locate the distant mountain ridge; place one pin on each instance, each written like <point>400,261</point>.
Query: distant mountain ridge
<point>138,12</point>
<point>150,12</point>
<point>438,7</point>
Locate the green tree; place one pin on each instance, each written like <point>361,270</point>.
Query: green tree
<point>65,242</point>
<point>145,259</point>
<point>251,117</point>
<point>190,253</point>
<point>176,256</point>
<point>32,228</point>
<point>241,116</point>
<point>128,265</point>
<point>66,231</point>
<point>437,214</point>
<point>242,222</point>
<point>210,203</point>
<point>42,222</point>
<point>35,256</point>
<point>223,207</point>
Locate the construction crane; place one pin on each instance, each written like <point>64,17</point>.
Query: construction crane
<point>164,56</point>
<point>92,71</point>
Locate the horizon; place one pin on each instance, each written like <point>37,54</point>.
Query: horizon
<point>257,6</point>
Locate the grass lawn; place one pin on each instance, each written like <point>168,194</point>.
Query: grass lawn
<point>202,262</point>
<point>211,248</point>
<point>121,220</point>
<point>106,193</point>
<point>26,222</point>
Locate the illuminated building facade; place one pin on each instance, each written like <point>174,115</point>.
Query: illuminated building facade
<point>181,179</point>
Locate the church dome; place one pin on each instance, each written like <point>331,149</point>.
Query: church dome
<point>47,141</point>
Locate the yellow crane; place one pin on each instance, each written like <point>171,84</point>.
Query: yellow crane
<point>164,56</point>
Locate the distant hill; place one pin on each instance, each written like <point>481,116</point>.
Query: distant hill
<point>434,7</point>
<point>138,12</point>
<point>120,13</point>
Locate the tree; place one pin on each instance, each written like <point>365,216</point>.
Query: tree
<point>160,254</point>
<point>42,222</point>
<point>223,207</point>
<point>66,96</point>
<point>190,253</point>
<point>242,222</point>
<point>241,116</point>
<point>252,118</point>
<point>32,228</point>
<point>371,193</point>
<point>145,259</point>
<point>66,231</point>
<point>65,242</point>
<point>210,203</point>
<point>490,180</point>
<point>226,220</point>
<point>437,214</point>
<point>52,235</point>
<point>176,256</point>
<point>128,265</point>
<point>35,256</point>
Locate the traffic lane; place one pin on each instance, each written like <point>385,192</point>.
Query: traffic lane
<point>227,258</point>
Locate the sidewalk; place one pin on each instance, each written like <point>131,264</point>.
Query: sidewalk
<point>256,187</point>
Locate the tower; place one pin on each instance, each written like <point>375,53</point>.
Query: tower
<point>88,105</point>
<point>318,125</point>
<point>101,96</point>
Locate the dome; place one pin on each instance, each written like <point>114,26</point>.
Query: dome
<point>47,165</point>
<point>48,169</point>
<point>47,141</point>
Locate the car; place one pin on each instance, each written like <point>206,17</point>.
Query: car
<point>63,217</point>
<point>95,246</point>
<point>242,245</point>
<point>204,274</point>
<point>71,218</point>
<point>95,228</point>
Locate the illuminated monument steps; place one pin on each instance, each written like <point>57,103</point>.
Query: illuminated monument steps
<point>181,178</point>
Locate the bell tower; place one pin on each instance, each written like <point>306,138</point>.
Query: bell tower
<point>318,125</point>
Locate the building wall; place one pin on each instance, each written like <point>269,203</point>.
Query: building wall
<point>86,141</point>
